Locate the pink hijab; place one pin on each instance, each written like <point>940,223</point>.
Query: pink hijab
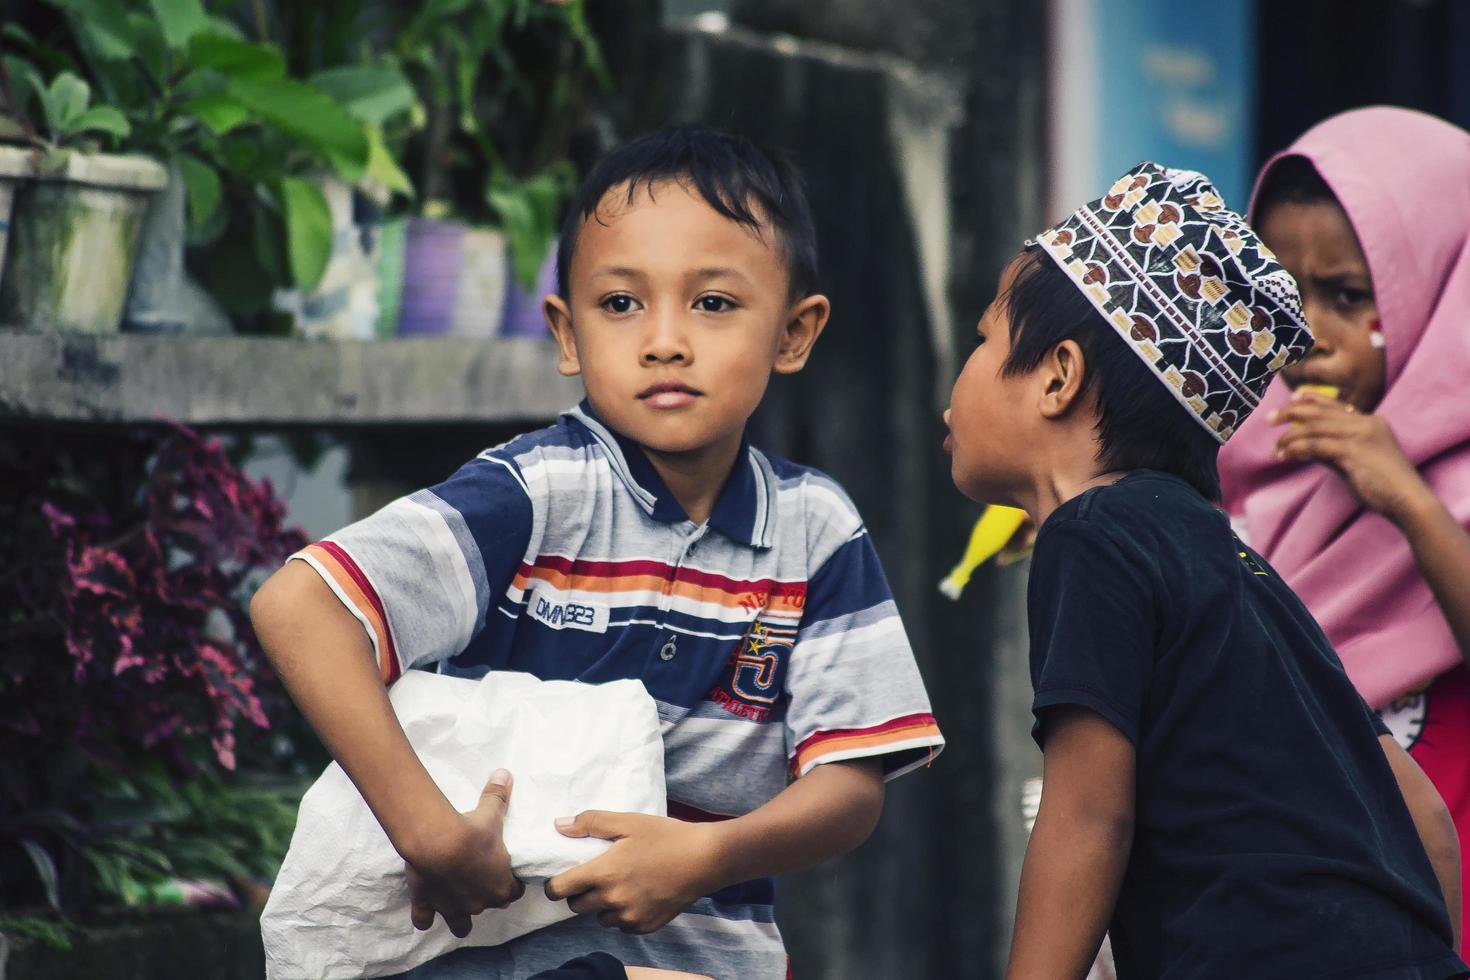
<point>1404,180</point>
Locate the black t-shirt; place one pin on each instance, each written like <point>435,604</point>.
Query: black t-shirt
<point>1270,837</point>
<point>593,966</point>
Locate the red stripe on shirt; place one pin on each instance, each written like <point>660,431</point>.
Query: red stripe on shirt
<point>643,566</point>
<point>349,566</point>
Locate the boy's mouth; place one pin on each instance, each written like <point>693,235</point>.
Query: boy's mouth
<point>669,394</point>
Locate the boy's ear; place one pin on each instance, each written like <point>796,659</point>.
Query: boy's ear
<point>1062,374</point>
<point>804,324</point>
<point>559,319</point>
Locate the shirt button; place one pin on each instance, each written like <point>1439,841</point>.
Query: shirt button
<point>667,651</point>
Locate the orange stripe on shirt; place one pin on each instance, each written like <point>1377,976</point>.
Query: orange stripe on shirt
<point>823,744</point>
<point>387,661</point>
<point>778,605</point>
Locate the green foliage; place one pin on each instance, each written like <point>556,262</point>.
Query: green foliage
<point>184,86</point>
<point>308,219</point>
<point>47,932</point>
<point>529,212</point>
<point>66,109</point>
<point>502,83</point>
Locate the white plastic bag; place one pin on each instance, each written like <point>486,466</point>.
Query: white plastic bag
<point>339,908</point>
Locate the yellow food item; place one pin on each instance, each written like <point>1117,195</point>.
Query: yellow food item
<point>1326,391</point>
<point>996,526</point>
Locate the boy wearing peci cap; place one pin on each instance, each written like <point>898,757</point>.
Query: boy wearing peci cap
<point>1216,795</point>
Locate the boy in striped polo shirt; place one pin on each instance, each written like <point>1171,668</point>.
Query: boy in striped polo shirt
<point>640,536</point>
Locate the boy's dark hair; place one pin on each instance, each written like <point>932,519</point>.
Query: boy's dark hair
<point>1291,180</point>
<point>740,180</point>
<point>1140,424</point>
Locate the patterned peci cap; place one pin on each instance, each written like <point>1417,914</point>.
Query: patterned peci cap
<point>1189,286</point>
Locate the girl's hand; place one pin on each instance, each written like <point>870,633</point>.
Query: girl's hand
<point>1360,447</point>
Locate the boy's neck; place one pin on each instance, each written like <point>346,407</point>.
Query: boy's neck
<point>695,478</point>
<point>1048,491</point>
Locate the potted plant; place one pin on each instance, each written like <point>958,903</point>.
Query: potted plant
<point>501,85</point>
<point>76,221</point>
<point>247,144</point>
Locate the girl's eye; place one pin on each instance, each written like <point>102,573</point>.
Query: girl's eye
<point>979,339</point>
<point>618,303</point>
<point>1346,297</point>
<point>714,304</point>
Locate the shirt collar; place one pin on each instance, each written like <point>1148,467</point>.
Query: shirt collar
<point>744,510</point>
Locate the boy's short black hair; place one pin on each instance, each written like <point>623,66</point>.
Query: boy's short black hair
<point>1140,424</point>
<point>1291,180</point>
<point>740,180</point>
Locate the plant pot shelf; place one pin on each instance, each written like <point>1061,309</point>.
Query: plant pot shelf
<point>130,379</point>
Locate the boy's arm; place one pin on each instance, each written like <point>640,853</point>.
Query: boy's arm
<point>1078,850</point>
<point>457,863</point>
<point>658,865</point>
<point>1433,822</point>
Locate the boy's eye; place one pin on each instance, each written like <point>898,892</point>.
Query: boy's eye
<point>713,304</point>
<point>618,303</point>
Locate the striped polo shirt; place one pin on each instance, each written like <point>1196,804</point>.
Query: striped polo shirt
<point>767,637</point>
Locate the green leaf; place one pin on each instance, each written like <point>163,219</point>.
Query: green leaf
<point>103,25</point>
<point>150,51</point>
<point>308,230</point>
<point>202,188</point>
<point>382,167</point>
<point>180,20</point>
<point>26,82</point>
<point>46,870</point>
<point>218,113</point>
<point>309,116</point>
<point>101,118</point>
<point>235,58</point>
<point>372,93</point>
<point>12,31</point>
<point>223,27</point>
<point>64,101</point>
<point>528,211</point>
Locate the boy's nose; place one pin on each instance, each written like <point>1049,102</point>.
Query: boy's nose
<point>665,341</point>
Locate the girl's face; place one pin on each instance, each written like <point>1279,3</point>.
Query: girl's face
<point>1316,244</point>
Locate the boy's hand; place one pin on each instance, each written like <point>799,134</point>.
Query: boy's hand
<point>1359,446</point>
<point>467,870</point>
<point>655,869</point>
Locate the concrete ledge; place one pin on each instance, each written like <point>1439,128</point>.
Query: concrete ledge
<point>263,380</point>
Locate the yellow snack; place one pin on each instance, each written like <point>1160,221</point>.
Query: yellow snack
<point>1326,391</point>
<point>996,526</point>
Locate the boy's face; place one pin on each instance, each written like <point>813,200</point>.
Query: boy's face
<point>988,421</point>
<point>677,317</point>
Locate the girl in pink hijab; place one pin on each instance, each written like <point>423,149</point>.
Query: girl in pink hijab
<point>1353,476</point>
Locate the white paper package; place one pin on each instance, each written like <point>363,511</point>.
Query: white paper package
<point>339,908</point>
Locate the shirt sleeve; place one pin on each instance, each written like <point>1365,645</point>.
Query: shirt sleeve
<point>420,573</point>
<point>1093,627</point>
<point>854,688</point>
<point>1380,727</point>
